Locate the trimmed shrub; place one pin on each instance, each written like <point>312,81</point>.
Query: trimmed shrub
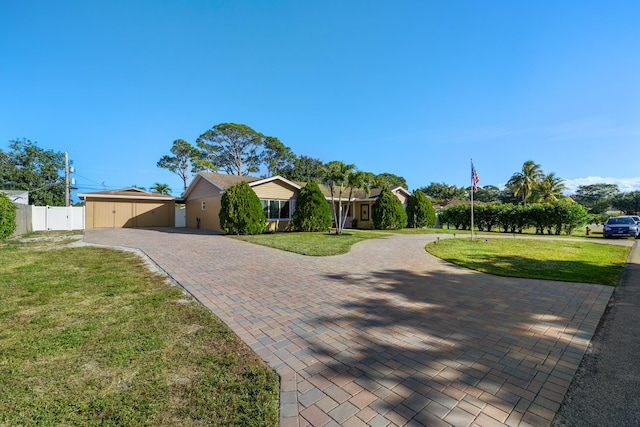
<point>241,211</point>
<point>420,213</point>
<point>312,211</point>
<point>387,212</point>
<point>552,218</point>
<point>7,217</point>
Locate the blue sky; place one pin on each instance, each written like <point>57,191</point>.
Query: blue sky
<point>414,88</point>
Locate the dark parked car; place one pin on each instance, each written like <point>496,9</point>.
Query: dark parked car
<point>623,226</point>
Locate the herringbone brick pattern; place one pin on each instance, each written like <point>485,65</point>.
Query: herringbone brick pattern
<point>386,335</point>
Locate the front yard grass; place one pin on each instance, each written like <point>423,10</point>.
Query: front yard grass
<point>565,260</point>
<point>315,244</point>
<point>89,336</point>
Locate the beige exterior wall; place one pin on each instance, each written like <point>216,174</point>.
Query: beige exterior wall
<point>278,225</point>
<point>204,189</point>
<point>209,219</point>
<point>118,213</point>
<point>273,190</point>
<point>403,197</point>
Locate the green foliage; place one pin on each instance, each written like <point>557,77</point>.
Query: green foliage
<point>596,197</point>
<point>458,216</point>
<point>387,179</point>
<point>160,188</point>
<point>339,177</point>
<point>442,191</point>
<point>312,211</point>
<point>241,211</point>
<point>28,167</point>
<point>232,147</point>
<point>387,212</point>
<point>182,162</point>
<point>420,213</point>
<point>276,156</point>
<point>548,189</point>
<point>303,169</point>
<point>552,218</point>
<point>522,183</point>
<point>487,194</point>
<point>7,217</point>
<point>629,203</point>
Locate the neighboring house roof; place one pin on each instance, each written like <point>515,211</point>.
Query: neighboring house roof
<point>20,197</point>
<point>126,193</point>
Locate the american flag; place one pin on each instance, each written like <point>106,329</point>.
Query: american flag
<point>474,178</point>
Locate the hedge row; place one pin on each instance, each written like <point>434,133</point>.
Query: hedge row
<point>553,218</point>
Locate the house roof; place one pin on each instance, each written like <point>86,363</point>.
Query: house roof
<point>224,181</point>
<point>360,194</point>
<point>126,193</point>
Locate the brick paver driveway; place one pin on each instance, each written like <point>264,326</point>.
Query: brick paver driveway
<point>387,334</point>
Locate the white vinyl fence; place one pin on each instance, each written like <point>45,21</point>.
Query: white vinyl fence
<point>57,218</point>
<point>43,218</point>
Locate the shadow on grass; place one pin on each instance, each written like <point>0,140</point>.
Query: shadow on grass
<point>560,270</point>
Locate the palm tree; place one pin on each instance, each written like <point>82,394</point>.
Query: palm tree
<point>336,177</point>
<point>161,188</point>
<point>355,180</point>
<point>521,183</point>
<point>549,189</point>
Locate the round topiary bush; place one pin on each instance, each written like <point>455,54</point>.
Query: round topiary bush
<point>241,211</point>
<point>312,211</point>
<point>7,217</point>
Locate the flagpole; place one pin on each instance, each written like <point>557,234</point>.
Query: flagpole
<point>471,191</point>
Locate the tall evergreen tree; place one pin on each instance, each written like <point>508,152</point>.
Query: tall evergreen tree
<point>241,211</point>
<point>312,211</point>
<point>183,162</point>
<point>233,147</point>
<point>387,212</point>
<point>420,212</point>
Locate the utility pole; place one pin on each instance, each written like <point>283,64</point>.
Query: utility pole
<point>66,178</point>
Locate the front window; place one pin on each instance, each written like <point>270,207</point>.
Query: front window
<point>276,209</point>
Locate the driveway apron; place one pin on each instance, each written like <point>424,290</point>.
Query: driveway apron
<point>387,334</point>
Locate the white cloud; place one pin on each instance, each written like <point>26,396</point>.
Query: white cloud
<point>624,184</point>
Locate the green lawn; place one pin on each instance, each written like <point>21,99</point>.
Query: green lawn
<point>316,244</point>
<point>565,260</point>
<point>89,336</point>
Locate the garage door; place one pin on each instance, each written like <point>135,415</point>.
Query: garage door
<point>113,214</point>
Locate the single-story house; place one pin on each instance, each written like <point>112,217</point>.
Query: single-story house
<point>278,196</point>
<point>129,207</point>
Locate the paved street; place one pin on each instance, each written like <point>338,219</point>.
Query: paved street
<point>386,335</point>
